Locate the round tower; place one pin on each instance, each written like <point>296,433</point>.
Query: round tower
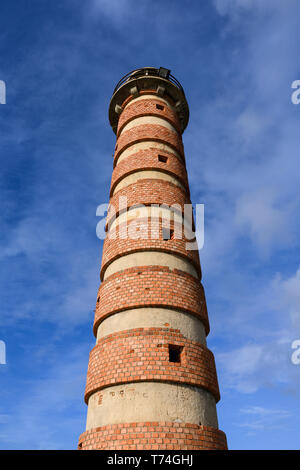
<point>151,381</point>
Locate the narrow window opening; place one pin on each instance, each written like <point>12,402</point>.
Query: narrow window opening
<point>159,106</point>
<point>98,299</point>
<point>167,234</point>
<point>175,353</point>
<point>162,158</point>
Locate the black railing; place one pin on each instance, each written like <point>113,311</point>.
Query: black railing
<point>151,72</point>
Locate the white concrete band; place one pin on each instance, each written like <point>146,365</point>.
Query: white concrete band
<point>154,317</point>
<point>151,401</point>
<point>140,121</point>
<point>147,144</point>
<point>148,211</point>
<point>142,174</point>
<point>150,258</point>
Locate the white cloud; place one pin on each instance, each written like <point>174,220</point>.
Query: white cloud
<point>250,124</point>
<point>116,11</point>
<point>255,366</point>
<point>236,8</point>
<point>249,139</point>
<point>225,7</point>
<point>50,411</point>
<point>289,290</point>
<point>270,320</point>
<point>4,418</point>
<point>260,418</point>
<point>262,220</point>
<point>245,360</point>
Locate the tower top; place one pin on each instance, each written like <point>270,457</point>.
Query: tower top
<point>156,80</point>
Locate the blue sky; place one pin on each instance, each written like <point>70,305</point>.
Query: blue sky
<point>236,60</point>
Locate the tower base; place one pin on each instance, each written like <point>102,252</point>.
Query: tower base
<point>153,435</point>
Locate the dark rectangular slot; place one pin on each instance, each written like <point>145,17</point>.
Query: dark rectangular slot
<point>167,233</point>
<point>162,158</point>
<point>159,106</point>
<point>175,353</point>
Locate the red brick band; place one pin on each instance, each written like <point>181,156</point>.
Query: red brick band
<point>142,354</point>
<point>146,192</point>
<point>146,234</point>
<point>150,159</point>
<point>153,435</point>
<point>148,107</point>
<point>147,92</point>
<point>151,286</point>
<point>152,132</point>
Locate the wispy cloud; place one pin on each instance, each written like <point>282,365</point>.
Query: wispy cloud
<point>50,413</point>
<point>289,290</point>
<point>236,60</point>
<point>255,366</point>
<point>264,419</point>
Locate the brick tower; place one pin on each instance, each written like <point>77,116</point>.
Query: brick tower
<point>151,381</point>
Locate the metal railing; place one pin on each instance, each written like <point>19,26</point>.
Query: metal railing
<point>146,71</point>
